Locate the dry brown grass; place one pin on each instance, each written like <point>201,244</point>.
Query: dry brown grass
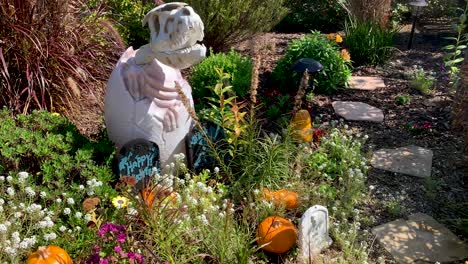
<point>52,54</point>
<point>377,11</point>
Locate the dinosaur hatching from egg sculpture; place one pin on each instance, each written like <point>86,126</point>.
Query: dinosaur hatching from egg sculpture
<point>141,98</point>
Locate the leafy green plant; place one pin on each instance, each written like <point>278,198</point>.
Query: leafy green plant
<point>403,99</point>
<point>204,75</point>
<point>422,81</point>
<point>454,56</point>
<point>306,15</point>
<point>368,42</point>
<point>127,16</point>
<point>230,21</point>
<point>58,168</point>
<point>226,112</point>
<point>336,70</point>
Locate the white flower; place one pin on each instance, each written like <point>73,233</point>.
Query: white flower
<point>2,201</point>
<point>81,187</point>
<point>58,200</point>
<point>9,178</point>
<point>3,228</point>
<point>216,170</point>
<point>78,215</point>
<point>203,219</point>
<point>43,194</point>
<point>30,192</point>
<point>10,191</point>
<point>90,193</point>
<point>50,236</point>
<point>62,229</point>
<point>10,251</point>
<point>2,178</point>
<point>23,175</point>
<point>256,191</point>
<point>87,217</point>
<point>64,194</point>
<point>23,245</point>
<point>366,136</point>
<point>371,187</point>
<point>66,211</point>
<point>70,201</point>
<point>18,215</point>
<point>78,228</point>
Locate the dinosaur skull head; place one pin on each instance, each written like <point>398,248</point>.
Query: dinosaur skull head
<point>175,30</point>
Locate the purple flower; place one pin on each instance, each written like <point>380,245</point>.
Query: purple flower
<point>118,249</point>
<point>139,258</point>
<point>103,261</point>
<point>121,238</point>
<point>93,259</point>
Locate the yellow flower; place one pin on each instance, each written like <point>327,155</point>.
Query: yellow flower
<point>120,202</point>
<point>55,114</point>
<point>338,38</point>
<point>345,55</point>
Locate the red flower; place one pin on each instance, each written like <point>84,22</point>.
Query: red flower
<point>318,133</point>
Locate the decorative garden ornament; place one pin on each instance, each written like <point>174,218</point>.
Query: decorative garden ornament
<point>142,101</point>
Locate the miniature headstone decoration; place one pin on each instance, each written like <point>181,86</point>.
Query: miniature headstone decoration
<point>313,232</point>
<point>141,98</point>
<point>138,158</point>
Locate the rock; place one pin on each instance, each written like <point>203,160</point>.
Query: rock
<point>411,160</point>
<point>366,83</point>
<point>313,233</point>
<point>357,111</point>
<point>420,238</point>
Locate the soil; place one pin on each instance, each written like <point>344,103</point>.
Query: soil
<point>444,195</point>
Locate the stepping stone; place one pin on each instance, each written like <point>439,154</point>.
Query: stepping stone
<point>411,160</point>
<point>421,238</point>
<point>366,83</point>
<point>358,111</point>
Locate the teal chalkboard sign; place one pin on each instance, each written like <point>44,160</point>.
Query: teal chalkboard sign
<point>138,158</point>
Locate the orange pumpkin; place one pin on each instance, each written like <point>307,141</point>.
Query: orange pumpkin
<point>49,255</point>
<point>147,194</point>
<point>302,126</point>
<point>276,234</point>
<point>284,198</point>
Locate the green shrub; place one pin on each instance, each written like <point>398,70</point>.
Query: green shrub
<point>58,168</point>
<point>204,74</point>
<point>336,70</point>
<point>306,15</point>
<point>368,43</point>
<point>230,21</point>
<point>127,15</point>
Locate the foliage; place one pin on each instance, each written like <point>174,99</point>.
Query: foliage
<point>454,56</point>
<point>226,112</point>
<point>50,53</point>
<point>205,75</point>
<point>422,81</point>
<point>230,21</point>
<point>368,43</point>
<point>276,104</point>
<point>306,15</point>
<point>403,99</point>
<point>196,212</point>
<point>336,70</point>
<point>127,16</point>
<point>401,12</point>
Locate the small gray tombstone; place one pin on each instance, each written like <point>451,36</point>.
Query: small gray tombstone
<point>313,232</point>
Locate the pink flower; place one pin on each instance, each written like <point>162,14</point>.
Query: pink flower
<point>118,249</point>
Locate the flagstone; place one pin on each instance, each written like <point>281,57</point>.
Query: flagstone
<point>411,160</point>
<point>367,83</point>
<point>421,238</point>
<point>357,111</point>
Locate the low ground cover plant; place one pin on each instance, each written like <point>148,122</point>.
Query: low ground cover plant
<point>422,81</point>
<point>336,67</point>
